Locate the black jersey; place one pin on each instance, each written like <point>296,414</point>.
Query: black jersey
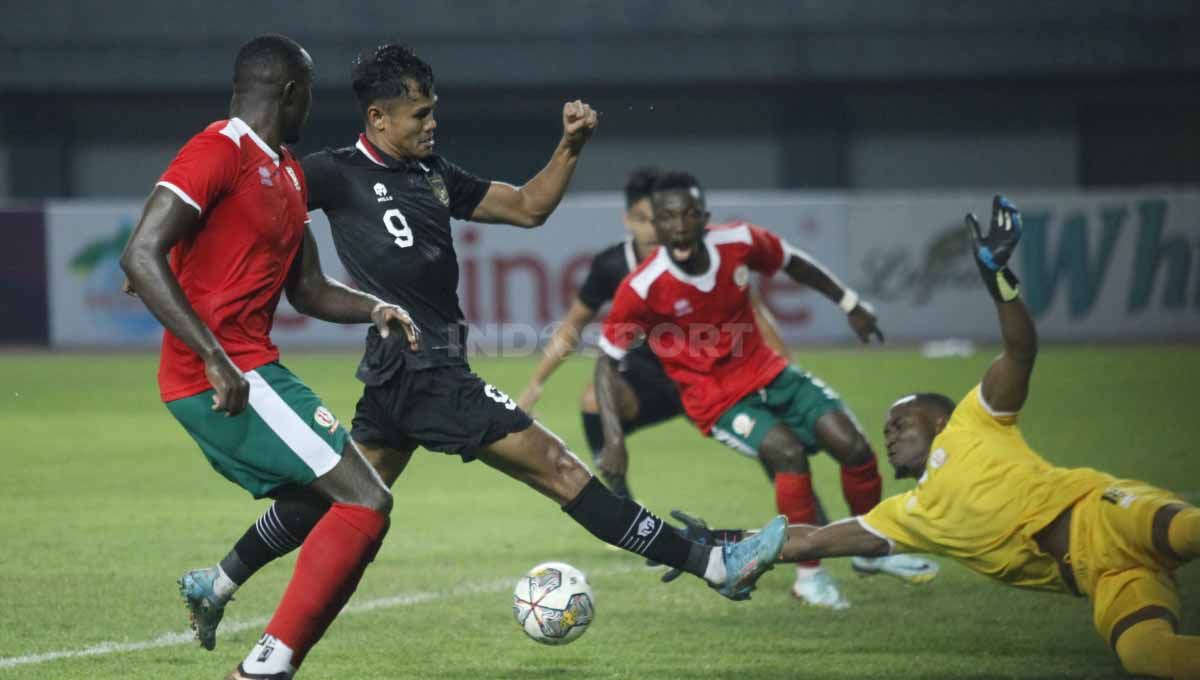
<point>391,226</point>
<point>609,267</point>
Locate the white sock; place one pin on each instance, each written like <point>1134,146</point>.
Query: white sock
<point>223,586</point>
<point>269,656</point>
<point>803,573</point>
<point>714,573</point>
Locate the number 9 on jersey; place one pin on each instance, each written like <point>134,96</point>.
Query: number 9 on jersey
<point>398,226</point>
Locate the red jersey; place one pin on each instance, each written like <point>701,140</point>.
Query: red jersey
<point>702,327</point>
<point>232,269</point>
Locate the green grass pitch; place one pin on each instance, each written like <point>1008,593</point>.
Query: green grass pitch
<point>104,501</point>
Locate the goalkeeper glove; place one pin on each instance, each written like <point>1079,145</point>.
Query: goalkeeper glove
<point>993,251</point>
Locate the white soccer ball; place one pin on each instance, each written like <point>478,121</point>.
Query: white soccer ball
<point>553,603</point>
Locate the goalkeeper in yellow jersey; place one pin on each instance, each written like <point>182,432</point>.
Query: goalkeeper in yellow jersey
<point>986,499</point>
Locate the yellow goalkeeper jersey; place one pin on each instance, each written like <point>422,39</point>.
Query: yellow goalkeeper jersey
<point>983,496</point>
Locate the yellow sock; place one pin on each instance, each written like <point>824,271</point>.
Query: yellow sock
<point>1184,533</point>
<point>1152,648</point>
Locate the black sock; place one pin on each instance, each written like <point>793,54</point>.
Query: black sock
<point>593,430</point>
<point>280,530</point>
<point>626,524</point>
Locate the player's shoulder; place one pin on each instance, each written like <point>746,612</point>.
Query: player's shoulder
<point>614,258</point>
<point>220,135</point>
<point>330,156</point>
<point>733,233</point>
<point>437,163</point>
<point>974,413</point>
<point>652,270</point>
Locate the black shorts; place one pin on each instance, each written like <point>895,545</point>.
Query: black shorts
<point>657,395</point>
<point>445,408</point>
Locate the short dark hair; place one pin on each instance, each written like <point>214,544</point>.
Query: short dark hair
<point>385,71</point>
<point>640,184</point>
<point>934,400</point>
<point>269,59</point>
<point>677,179</point>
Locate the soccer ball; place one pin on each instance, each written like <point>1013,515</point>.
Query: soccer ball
<point>553,603</point>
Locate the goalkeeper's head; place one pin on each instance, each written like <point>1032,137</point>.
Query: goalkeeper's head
<point>912,423</point>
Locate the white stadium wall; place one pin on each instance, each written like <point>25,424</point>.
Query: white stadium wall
<point>1115,266</point>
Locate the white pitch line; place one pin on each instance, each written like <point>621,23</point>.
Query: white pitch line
<point>232,627</point>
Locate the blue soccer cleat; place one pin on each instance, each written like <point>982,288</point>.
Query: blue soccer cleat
<point>749,559</point>
<point>205,608</point>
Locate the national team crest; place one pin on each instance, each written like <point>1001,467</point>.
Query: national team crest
<point>741,276</point>
<point>439,187</point>
<point>937,458</point>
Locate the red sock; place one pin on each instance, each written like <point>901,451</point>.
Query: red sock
<point>862,487</point>
<point>331,563</point>
<point>794,499</point>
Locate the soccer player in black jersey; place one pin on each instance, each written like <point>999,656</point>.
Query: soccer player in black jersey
<point>389,199</point>
<point>646,395</point>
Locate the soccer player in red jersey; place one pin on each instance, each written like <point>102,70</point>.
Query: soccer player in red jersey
<point>647,396</point>
<point>690,302</point>
<point>230,215</point>
<point>389,199</point>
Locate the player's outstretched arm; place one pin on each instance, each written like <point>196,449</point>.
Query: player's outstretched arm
<point>166,220</point>
<point>530,205</point>
<point>1006,383</point>
<point>316,295</point>
<point>562,343</point>
<point>807,271</point>
<point>846,538</point>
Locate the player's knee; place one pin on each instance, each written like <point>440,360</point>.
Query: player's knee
<point>858,453</point>
<point>789,458</point>
<point>380,500</point>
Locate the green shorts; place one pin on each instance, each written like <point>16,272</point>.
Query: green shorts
<point>285,435</point>
<point>795,398</point>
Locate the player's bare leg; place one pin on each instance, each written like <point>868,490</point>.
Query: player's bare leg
<point>629,408</point>
<point>388,462</point>
<point>539,459</point>
<point>839,434</point>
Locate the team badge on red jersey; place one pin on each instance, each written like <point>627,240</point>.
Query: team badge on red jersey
<point>741,276</point>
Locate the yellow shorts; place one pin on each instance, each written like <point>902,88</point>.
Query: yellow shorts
<point>1113,555</point>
